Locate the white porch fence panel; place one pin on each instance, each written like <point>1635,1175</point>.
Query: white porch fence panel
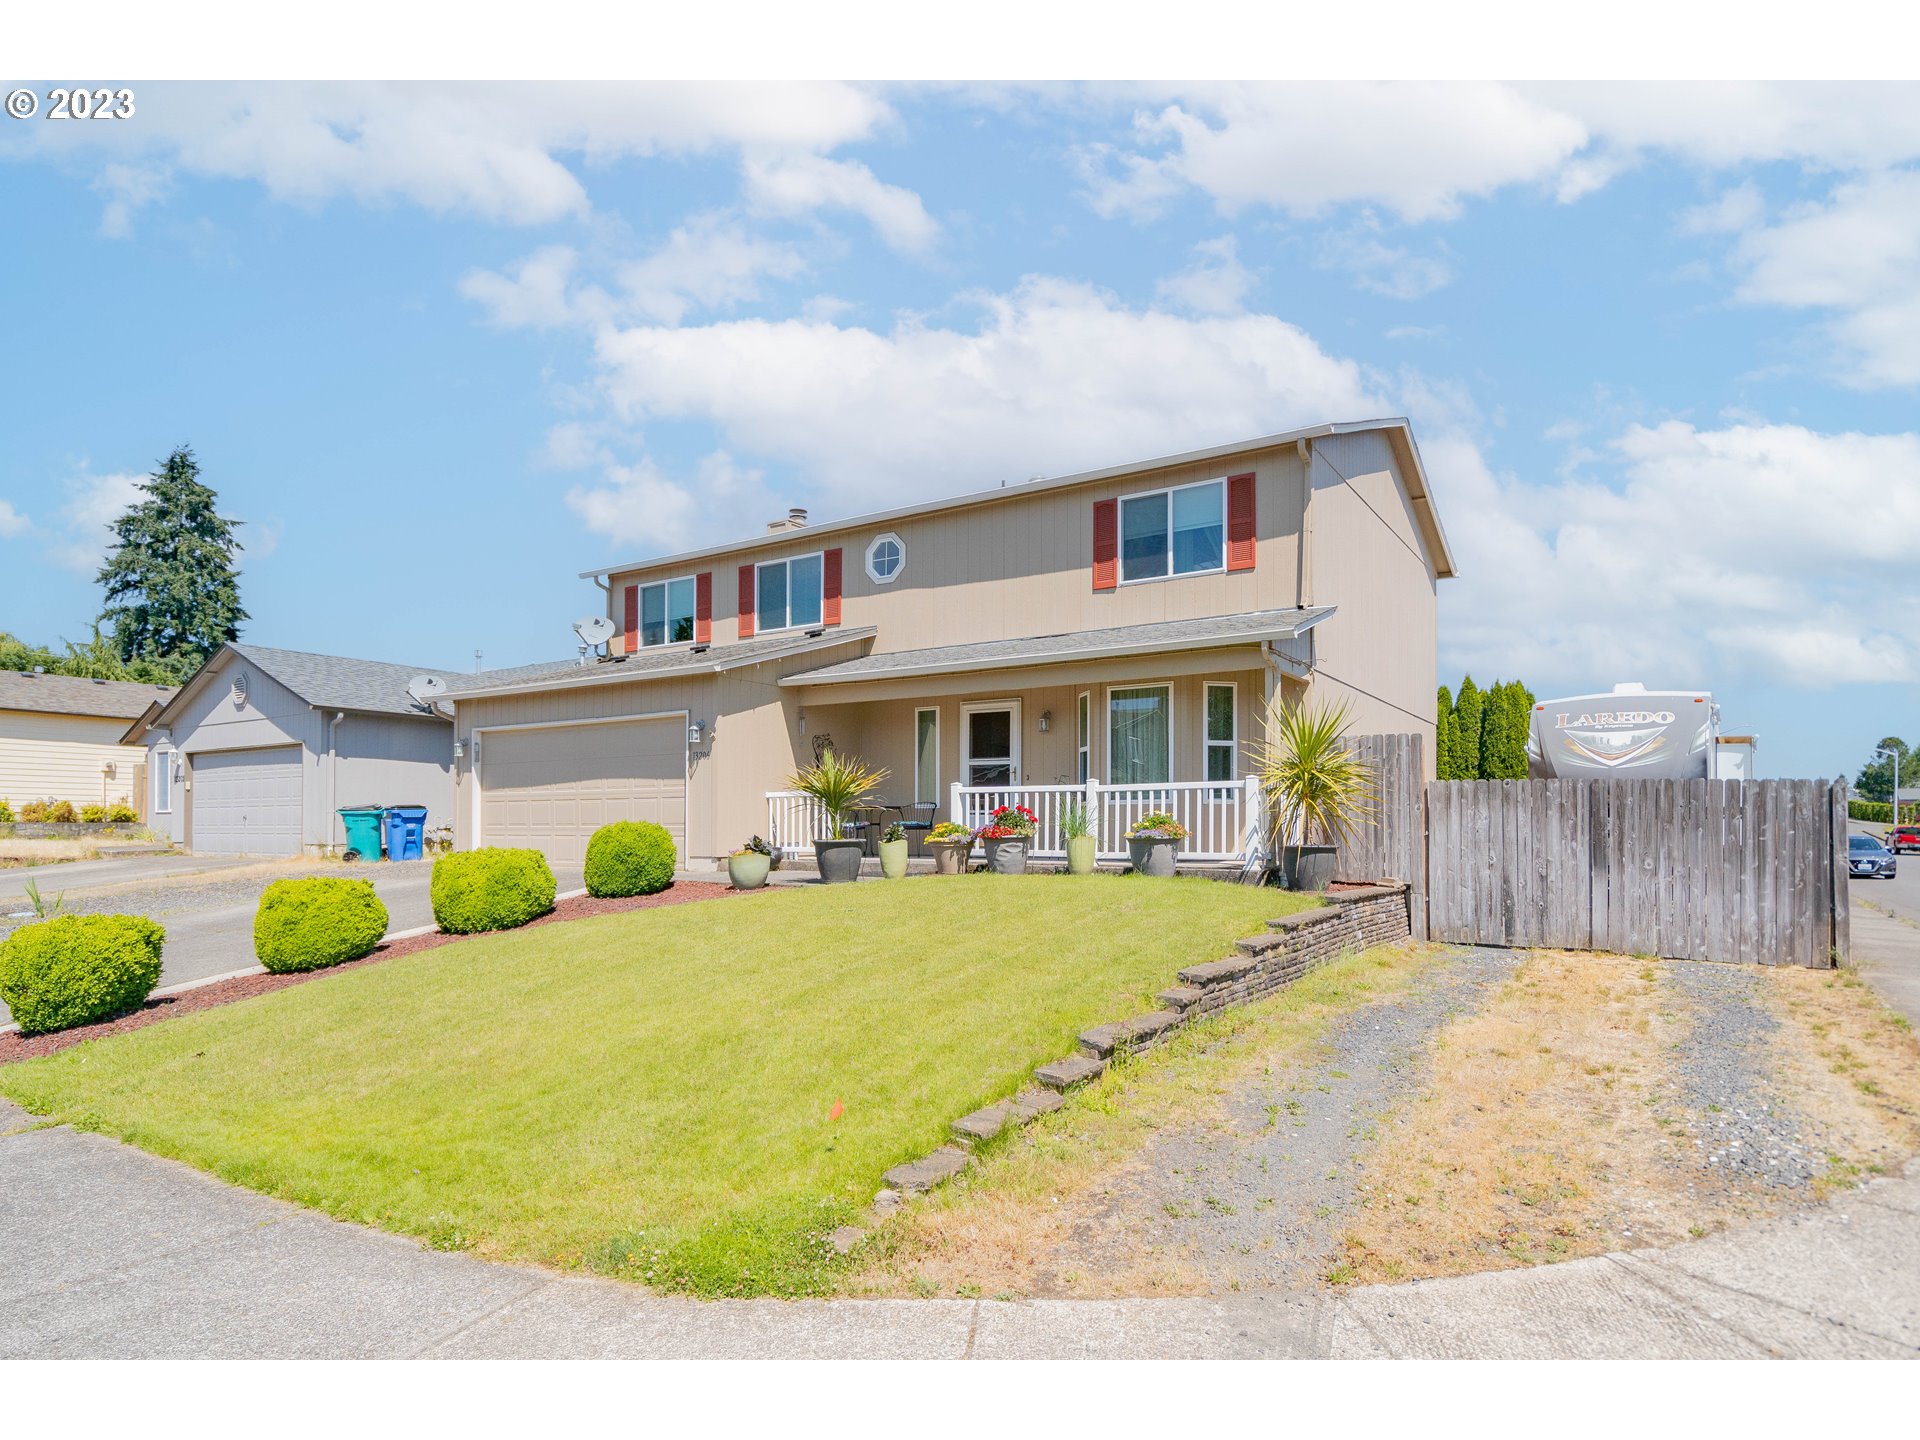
<point>794,821</point>
<point>1224,819</point>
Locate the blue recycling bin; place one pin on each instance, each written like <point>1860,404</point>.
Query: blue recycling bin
<point>406,832</point>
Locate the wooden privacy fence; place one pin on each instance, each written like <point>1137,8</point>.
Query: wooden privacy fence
<point>1747,871</point>
<point>1750,871</point>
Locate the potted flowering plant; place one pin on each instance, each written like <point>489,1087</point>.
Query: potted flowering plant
<point>1153,841</point>
<point>893,851</point>
<point>747,867</point>
<point>1006,835</point>
<point>1077,823</point>
<point>950,844</point>
<point>839,787</point>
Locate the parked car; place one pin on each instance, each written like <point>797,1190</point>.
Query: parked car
<point>1867,858</point>
<point>1903,837</point>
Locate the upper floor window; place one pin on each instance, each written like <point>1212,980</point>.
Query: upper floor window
<point>1182,531</point>
<point>666,612</point>
<point>789,592</point>
<point>886,555</point>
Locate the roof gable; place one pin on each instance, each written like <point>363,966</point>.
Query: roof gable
<point>77,695</point>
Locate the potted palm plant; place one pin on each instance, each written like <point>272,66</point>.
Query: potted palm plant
<point>1076,822</point>
<point>837,786</point>
<point>1153,844</point>
<point>893,851</point>
<point>1319,790</point>
<point>950,843</point>
<point>1007,835</point>
<point>747,867</point>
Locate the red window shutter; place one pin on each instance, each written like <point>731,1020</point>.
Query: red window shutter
<point>830,588</point>
<point>633,620</point>
<point>703,608</point>
<point>1106,544</point>
<point>1240,522</point>
<point>746,602</point>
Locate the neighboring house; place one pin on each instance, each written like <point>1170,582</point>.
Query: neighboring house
<point>1113,636</point>
<point>260,748</point>
<point>60,738</point>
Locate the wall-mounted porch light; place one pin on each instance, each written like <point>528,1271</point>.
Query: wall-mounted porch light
<point>1046,721</point>
<point>459,749</point>
<point>693,732</point>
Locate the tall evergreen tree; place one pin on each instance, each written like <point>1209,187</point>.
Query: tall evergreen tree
<point>1443,735</point>
<point>1469,713</point>
<point>172,589</point>
<point>1493,731</point>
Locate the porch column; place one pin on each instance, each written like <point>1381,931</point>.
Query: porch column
<point>1093,814</point>
<point>953,804</point>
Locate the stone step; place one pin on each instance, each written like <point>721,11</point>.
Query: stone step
<point>1217,972</point>
<point>1260,945</point>
<point>1033,1102</point>
<point>1066,1073</point>
<point>1180,997</point>
<point>918,1176</point>
<point>988,1121</point>
<point>1101,1041</point>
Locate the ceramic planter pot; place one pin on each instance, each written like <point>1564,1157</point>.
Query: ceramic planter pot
<point>748,871</point>
<point>1007,857</point>
<point>1153,857</point>
<point>1080,854</point>
<point>1306,867</point>
<point>839,860</point>
<point>893,858</point>
<point>949,856</point>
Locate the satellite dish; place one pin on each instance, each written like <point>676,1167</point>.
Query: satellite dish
<point>426,688</point>
<point>594,630</point>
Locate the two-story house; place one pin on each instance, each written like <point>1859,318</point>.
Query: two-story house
<point>1113,637</point>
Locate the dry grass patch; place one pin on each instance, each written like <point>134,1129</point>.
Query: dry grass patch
<point>1025,1219</point>
<point>1853,1067</point>
<point>1548,1131</point>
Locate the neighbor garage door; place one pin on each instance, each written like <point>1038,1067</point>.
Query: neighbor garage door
<point>550,788</point>
<point>247,802</point>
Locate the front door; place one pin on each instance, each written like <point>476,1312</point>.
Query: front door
<point>990,752</point>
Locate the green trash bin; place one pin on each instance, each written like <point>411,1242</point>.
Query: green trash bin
<point>363,831</point>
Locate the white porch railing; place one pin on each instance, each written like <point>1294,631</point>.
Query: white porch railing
<point>1224,819</point>
<point>794,821</point>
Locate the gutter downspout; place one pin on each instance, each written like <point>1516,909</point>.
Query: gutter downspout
<point>333,776</point>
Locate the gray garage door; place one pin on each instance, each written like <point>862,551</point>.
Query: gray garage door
<point>552,787</point>
<point>247,802</point>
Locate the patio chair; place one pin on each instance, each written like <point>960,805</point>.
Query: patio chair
<point>917,819</point>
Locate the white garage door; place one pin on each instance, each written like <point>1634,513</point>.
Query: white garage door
<point>550,788</point>
<point>247,802</point>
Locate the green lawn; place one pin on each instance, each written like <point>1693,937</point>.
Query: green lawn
<point>649,1094</point>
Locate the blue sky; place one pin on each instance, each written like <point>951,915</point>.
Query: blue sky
<point>442,347</point>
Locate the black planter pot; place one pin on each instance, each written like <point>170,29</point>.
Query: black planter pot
<point>1306,867</point>
<point>839,860</point>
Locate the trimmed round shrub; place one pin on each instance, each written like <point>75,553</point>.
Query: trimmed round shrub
<point>78,969</point>
<point>311,924</point>
<point>629,857</point>
<point>489,889</point>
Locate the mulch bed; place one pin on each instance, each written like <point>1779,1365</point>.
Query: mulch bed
<point>15,1046</point>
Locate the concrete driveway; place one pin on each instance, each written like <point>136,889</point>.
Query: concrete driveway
<point>79,875</point>
<point>113,1253</point>
<point>1885,930</point>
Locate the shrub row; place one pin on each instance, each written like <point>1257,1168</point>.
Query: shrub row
<point>1880,812</point>
<point>62,812</point>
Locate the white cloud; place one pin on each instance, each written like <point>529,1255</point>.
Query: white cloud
<point>1055,376</point>
<point>798,184</point>
<point>1415,149</point>
<point>1755,552</point>
<point>640,506</point>
<point>93,503</point>
<point>12,522</point>
<point>128,188</point>
<point>1394,271</point>
<point>1857,254</point>
<point>1214,283</point>
<point>709,263</point>
<point>536,293</point>
<point>1733,210</point>
<point>490,150</point>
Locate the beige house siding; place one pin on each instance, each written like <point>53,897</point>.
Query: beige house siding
<point>64,757</point>
<point>1000,570</point>
<point>1368,560</point>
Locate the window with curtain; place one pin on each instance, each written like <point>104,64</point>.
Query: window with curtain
<point>1140,735</point>
<point>1222,741</point>
<point>1182,531</point>
<point>926,755</point>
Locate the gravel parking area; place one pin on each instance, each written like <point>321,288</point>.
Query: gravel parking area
<point>1257,1200</point>
<point>1744,1127</point>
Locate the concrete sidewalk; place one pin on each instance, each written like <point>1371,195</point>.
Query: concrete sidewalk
<point>1886,951</point>
<point>111,1252</point>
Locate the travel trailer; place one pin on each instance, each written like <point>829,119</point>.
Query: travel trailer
<point>1633,733</point>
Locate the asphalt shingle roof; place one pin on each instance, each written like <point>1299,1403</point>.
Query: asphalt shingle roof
<point>75,695</point>
<point>338,683</point>
<point>654,664</point>
<point>1078,645</point>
